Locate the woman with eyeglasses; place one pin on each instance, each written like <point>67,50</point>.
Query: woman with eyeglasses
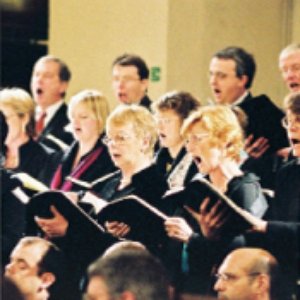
<point>130,138</point>
<point>172,159</point>
<point>22,152</point>
<point>287,188</point>
<point>87,158</point>
<point>214,138</point>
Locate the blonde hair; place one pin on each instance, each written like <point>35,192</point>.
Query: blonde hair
<point>96,103</point>
<point>222,125</point>
<point>140,118</point>
<point>21,103</point>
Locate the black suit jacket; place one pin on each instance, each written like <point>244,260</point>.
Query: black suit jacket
<point>56,128</point>
<point>264,120</point>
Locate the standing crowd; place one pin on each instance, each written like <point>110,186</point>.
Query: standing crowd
<point>179,156</point>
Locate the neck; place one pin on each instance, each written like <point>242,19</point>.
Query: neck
<point>132,169</point>
<point>87,146</point>
<point>224,173</point>
<point>174,150</point>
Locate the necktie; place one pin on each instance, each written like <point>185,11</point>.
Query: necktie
<point>39,125</point>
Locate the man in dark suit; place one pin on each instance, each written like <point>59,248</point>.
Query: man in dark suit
<point>232,72</point>
<point>49,82</point>
<point>130,80</point>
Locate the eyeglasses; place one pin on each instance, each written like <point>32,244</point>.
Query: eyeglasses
<point>117,140</point>
<point>285,122</point>
<point>196,138</point>
<point>230,277</point>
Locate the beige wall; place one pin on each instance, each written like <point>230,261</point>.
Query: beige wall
<point>177,35</point>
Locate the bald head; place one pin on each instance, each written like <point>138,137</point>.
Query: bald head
<point>246,273</point>
<point>252,260</point>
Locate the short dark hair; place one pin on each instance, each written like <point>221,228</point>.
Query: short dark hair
<point>134,270</point>
<point>133,60</point>
<point>183,103</point>
<point>245,63</point>
<point>64,70</point>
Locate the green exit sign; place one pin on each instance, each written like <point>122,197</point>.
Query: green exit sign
<point>155,73</point>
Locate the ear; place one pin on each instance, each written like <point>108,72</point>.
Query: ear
<point>263,284</point>
<point>47,279</point>
<point>145,144</point>
<point>145,83</point>
<point>244,79</point>
<point>127,295</point>
<point>63,86</point>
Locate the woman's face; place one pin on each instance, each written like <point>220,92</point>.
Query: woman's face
<point>85,126</point>
<point>293,131</point>
<point>206,156</point>
<point>16,124</point>
<point>125,148</point>
<point>168,127</point>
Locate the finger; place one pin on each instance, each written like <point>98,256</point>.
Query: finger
<point>192,212</point>
<point>249,140</point>
<point>54,210</point>
<point>205,204</point>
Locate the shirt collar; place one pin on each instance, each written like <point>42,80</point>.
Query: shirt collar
<point>50,111</point>
<point>240,99</point>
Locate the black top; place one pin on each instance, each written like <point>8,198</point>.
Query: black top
<point>82,245</point>
<point>100,167</point>
<point>166,164</point>
<point>146,102</point>
<point>37,160</point>
<point>146,184</point>
<point>264,120</point>
<point>203,254</point>
<point>56,127</point>
<point>287,192</point>
<point>13,215</point>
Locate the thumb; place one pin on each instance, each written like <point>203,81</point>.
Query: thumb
<point>54,210</point>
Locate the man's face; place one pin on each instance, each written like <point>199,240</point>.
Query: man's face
<point>225,85</point>
<point>235,282</point>
<point>127,85</point>
<point>23,269</point>
<point>97,289</point>
<point>289,65</point>
<point>46,86</point>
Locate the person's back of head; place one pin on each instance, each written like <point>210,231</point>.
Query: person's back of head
<point>130,272</point>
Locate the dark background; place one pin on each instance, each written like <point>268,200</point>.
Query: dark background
<point>24,37</point>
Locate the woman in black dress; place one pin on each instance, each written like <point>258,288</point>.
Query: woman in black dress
<point>23,153</point>
<point>214,139</point>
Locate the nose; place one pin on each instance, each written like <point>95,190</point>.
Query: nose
<point>219,285</point>
<point>9,268</point>
<point>212,79</point>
